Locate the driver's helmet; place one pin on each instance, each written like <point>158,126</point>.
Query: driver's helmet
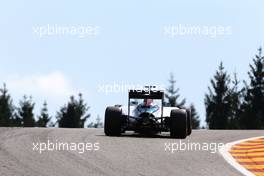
<point>148,102</point>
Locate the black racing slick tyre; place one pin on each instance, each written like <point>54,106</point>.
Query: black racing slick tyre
<point>189,122</point>
<point>113,121</point>
<point>178,124</point>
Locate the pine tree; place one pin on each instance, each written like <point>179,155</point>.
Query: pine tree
<point>25,112</point>
<point>195,118</point>
<point>90,125</point>
<point>6,108</point>
<point>253,105</point>
<point>217,101</point>
<point>44,117</point>
<point>97,124</point>
<point>235,98</point>
<point>74,114</point>
<point>172,94</point>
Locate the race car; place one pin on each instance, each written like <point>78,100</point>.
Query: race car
<point>147,117</point>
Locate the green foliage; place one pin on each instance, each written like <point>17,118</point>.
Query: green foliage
<point>74,114</point>
<point>24,113</point>
<point>97,124</point>
<point>218,100</point>
<point>253,105</point>
<point>44,117</point>
<point>195,118</point>
<point>172,94</point>
<point>6,108</point>
<point>236,108</point>
<point>235,102</point>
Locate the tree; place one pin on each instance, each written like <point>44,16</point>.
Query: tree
<point>253,105</point>
<point>195,118</point>
<point>217,101</point>
<point>235,98</point>
<point>44,117</point>
<point>6,108</point>
<point>25,112</point>
<point>74,114</point>
<point>172,94</point>
<point>90,125</point>
<point>97,124</point>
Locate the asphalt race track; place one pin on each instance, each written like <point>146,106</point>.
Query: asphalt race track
<point>127,155</point>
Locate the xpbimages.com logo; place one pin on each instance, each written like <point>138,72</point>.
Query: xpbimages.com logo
<point>79,31</point>
<point>211,31</point>
<point>50,146</point>
<point>181,146</point>
<point>116,87</point>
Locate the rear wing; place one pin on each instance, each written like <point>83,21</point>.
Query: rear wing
<point>146,94</point>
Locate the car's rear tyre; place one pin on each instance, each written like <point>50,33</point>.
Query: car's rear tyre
<point>178,124</point>
<point>113,121</point>
<point>189,122</point>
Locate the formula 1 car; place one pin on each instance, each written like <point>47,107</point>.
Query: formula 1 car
<point>147,117</point>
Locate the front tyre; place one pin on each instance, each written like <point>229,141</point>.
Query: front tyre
<point>113,121</point>
<point>178,124</point>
